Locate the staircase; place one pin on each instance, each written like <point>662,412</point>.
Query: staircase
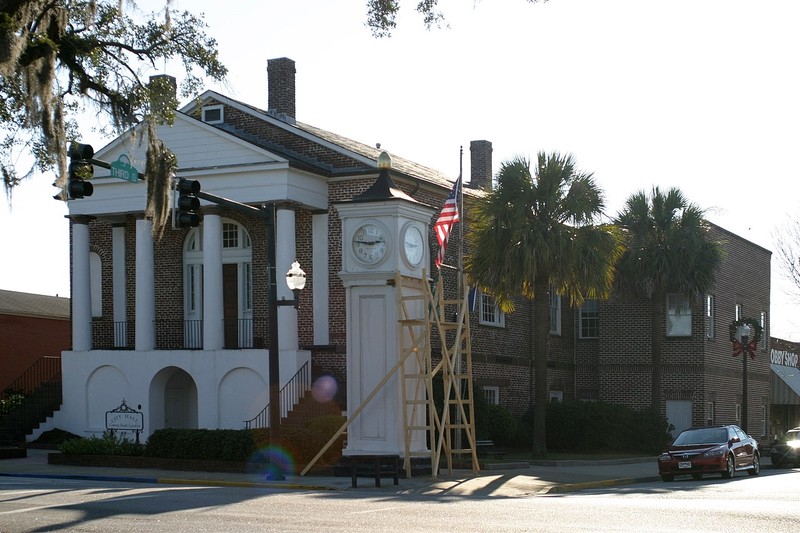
<point>41,387</point>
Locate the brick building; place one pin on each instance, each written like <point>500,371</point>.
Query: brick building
<point>177,325</point>
<point>32,327</point>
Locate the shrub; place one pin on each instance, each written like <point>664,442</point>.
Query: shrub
<point>10,400</point>
<point>108,444</point>
<point>600,426</point>
<point>502,425</point>
<point>202,444</point>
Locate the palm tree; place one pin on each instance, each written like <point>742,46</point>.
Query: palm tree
<point>667,251</point>
<point>537,232</point>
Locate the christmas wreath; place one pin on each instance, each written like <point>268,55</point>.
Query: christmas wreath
<point>755,336</point>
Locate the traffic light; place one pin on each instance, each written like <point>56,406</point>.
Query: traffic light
<point>80,169</point>
<point>188,203</point>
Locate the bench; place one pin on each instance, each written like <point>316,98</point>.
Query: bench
<point>374,466</point>
<point>486,448</point>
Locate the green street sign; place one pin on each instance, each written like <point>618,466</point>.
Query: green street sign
<point>122,169</point>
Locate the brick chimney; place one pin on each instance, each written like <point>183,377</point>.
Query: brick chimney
<point>480,165</point>
<point>280,79</point>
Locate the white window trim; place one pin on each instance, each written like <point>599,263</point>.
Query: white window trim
<point>555,396</point>
<point>219,108</point>
<point>711,303</point>
<point>555,329</point>
<point>499,316</point>
<point>738,412</point>
<point>492,394</point>
<point>581,319</point>
<point>680,333</point>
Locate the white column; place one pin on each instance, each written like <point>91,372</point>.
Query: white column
<point>285,254</point>
<point>319,244</point>
<point>145,286</point>
<point>118,285</point>
<point>81,286</point>
<point>213,325</point>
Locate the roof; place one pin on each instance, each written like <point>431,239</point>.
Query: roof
<point>36,305</point>
<point>363,156</point>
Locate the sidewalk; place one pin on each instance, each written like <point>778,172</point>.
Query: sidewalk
<point>505,480</point>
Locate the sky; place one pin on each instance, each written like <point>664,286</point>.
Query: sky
<point>703,95</point>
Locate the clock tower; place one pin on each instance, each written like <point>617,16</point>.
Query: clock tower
<point>384,233</point>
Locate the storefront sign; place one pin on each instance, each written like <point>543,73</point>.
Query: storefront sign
<point>782,357</point>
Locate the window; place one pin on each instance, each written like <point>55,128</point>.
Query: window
<point>763,420</point>
<point>555,312</point>
<point>589,320</point>
<point>555,396</point>
<point>710,316</point>
<point>213,114</point>
<point>763,322</point>
<point>490,314</point>
<point>679,316</point>
<point>738,412</point>
<point>710,408</point>
<point>491,394</point>
<point>737,312</point>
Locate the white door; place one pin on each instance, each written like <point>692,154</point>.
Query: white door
<point>679,414</point>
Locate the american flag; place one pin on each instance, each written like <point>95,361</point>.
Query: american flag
<point>447,218</point>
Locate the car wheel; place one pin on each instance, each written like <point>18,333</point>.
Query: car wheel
<point>697,477</point>
<point>728,473</point>
<point>756,466</point>
<point>667,477</point>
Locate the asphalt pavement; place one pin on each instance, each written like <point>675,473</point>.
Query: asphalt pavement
<point>496,480</point>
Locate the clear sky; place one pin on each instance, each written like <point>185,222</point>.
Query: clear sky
<point>703,95</point>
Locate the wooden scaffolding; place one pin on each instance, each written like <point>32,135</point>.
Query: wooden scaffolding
<point>450,430</point>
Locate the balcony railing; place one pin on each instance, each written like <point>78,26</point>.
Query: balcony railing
<point>239,334</point>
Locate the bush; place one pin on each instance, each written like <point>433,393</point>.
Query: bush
<point>10,400</point>
<point>201,444</point>
<point>600,426</point>
<point>108,444</point>
<point>502,425</point>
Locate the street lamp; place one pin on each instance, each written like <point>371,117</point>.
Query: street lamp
<point>744,334</point>
<point>296,280</point>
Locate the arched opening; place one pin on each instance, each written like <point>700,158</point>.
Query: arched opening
<point>173,400</point>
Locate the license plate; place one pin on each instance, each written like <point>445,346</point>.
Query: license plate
<point>685,464</point>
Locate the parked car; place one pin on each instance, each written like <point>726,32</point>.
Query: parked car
<point>710,450</point>
<point>787,450</point>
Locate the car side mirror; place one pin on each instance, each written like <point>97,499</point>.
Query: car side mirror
<point>733,440</point>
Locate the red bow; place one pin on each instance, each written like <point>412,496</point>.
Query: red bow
<point>751,349</point>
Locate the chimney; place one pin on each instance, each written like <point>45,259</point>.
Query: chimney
<point>280,78</point>
<point>480,165</point>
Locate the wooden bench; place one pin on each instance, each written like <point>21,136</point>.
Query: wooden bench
<point>374,466</point>
<point>486,448</point>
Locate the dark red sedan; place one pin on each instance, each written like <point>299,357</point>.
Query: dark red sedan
<point>710,450</point>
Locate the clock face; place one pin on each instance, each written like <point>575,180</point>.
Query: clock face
<point>413,246</point>
<point>369,244</point>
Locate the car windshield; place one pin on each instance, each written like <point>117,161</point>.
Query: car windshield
<point>792,435</point>
<point>702,436</point>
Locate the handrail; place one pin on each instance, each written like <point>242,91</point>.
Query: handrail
<point>290,395</point>
<point>46,368</point>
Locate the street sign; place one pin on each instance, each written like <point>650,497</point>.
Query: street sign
<point>122,169</point>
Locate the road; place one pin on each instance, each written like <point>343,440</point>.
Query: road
<point>768,502</point>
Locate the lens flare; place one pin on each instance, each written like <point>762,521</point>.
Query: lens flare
<point>272,463</point>
<point>324,389</point>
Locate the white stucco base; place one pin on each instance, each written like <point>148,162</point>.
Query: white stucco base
<point>177,388</point>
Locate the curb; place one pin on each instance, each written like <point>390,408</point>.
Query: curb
<point>174,481</point>
<point>573,487</point>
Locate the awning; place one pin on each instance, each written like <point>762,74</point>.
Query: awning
<point>785,381</point>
